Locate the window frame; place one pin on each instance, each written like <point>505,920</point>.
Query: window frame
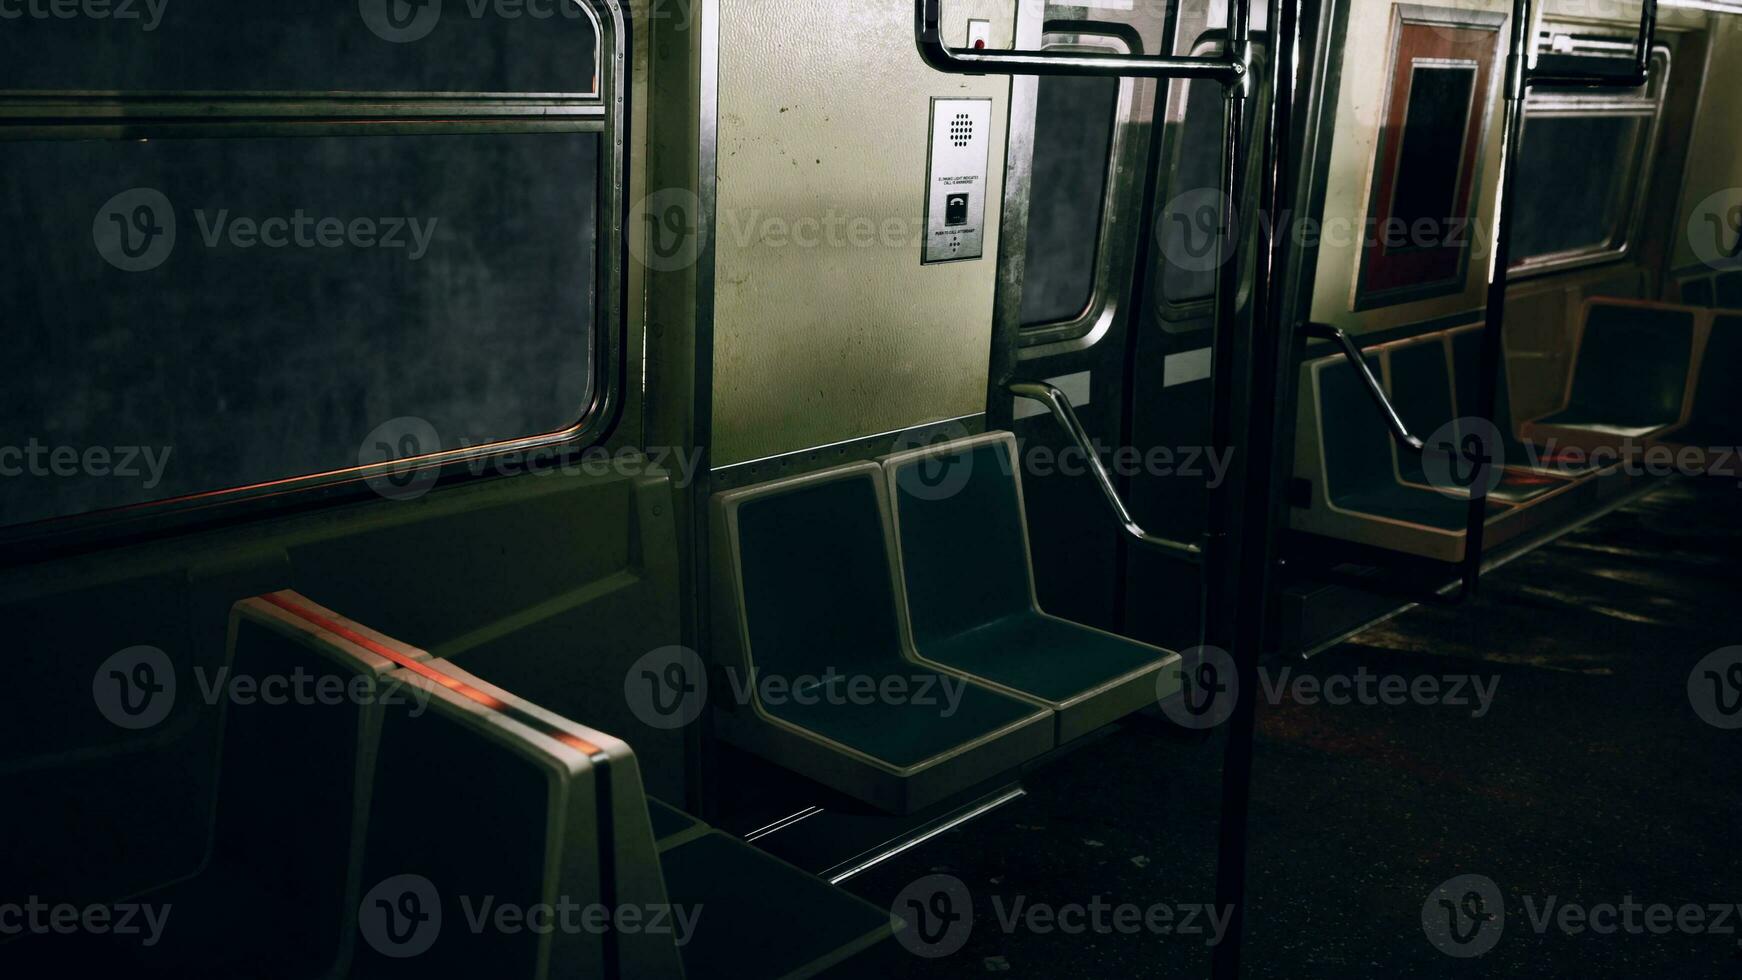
<point>27,115</point>
<point>1114,248</point>
<point>1184,317</point>
<point>1646,104</point>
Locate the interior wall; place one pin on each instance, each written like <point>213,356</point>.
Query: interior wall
<point>1361,107</point>
<point>1714,176</point>
<point>827,327</point>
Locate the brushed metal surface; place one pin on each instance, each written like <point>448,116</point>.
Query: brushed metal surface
<point>827,325</point>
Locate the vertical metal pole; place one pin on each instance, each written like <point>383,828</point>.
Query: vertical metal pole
<point>1227,404</point>
<point>1500,262</point>
<point>1241,580</point>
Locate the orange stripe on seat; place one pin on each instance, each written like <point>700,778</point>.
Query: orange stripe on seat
<point>431,673</point>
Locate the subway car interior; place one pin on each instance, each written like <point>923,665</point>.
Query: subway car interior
<point>895,488</point>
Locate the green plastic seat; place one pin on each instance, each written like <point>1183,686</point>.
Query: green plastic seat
<point>277,895</point>
<point>1467,366</point>
<point>1422,389</point>
<point>1362,490</point>
<point>969,590</point>
<point>1716,419</point>
<point>1630,377</point>
<point>807,590</point>
<point>754,915</point>
<point>482,794</point>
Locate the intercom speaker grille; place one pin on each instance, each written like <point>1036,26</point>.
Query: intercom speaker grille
<point>962,129</point>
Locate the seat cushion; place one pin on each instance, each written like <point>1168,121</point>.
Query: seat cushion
<point>1632,371</point>
<point>932,714</point>
<point>1059,660</point>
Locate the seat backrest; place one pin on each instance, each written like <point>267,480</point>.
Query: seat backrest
<point>1353,436</point>
<point>964,540</point>
<point>309,736</point>
<point>1718,400</point>
<point>1729,291</point>
<point>483,801</point>
<point>1632,363</point>
<point>817,579</point>
<point>108,660</point>
<point>1421,389</point>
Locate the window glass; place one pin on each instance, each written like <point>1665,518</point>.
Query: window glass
<point>1582,169</point>
<point>1073,136</point>
<point>499,46</point>
<point>1432,153</point>
<point>248,310</point>
<point>1575,184</point>
<point>1188,229</point>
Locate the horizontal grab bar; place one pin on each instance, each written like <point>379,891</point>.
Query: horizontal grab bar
<point>1061,409</point>
<point>928,33</point>
<point>1358,359</point>
<point>1638,71</point>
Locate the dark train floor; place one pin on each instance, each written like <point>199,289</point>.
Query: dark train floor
<point>1591,780</point>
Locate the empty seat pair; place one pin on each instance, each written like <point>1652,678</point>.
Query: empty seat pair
<point>909,582</point>
<point>1632,378</point>
<point>486,804</point>
<point>1366,489</point>
<point>393,815</point>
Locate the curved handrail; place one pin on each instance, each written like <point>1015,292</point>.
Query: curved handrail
<point>1357,358</point>
<point>1061,409</point>
<point>928,34</point>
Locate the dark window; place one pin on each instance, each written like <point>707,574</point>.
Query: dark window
<point>500,46</point>
<point>1575,183</point>
<point>219,302</point>
<point>1431,157</point>
<point>1073,136</point>
<point>1188,223</point>
<point>1582,172</point>
<point>314,290</point>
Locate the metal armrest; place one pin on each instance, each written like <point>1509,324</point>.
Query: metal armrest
<point>1358,360</point>
<point>1061,409</point>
